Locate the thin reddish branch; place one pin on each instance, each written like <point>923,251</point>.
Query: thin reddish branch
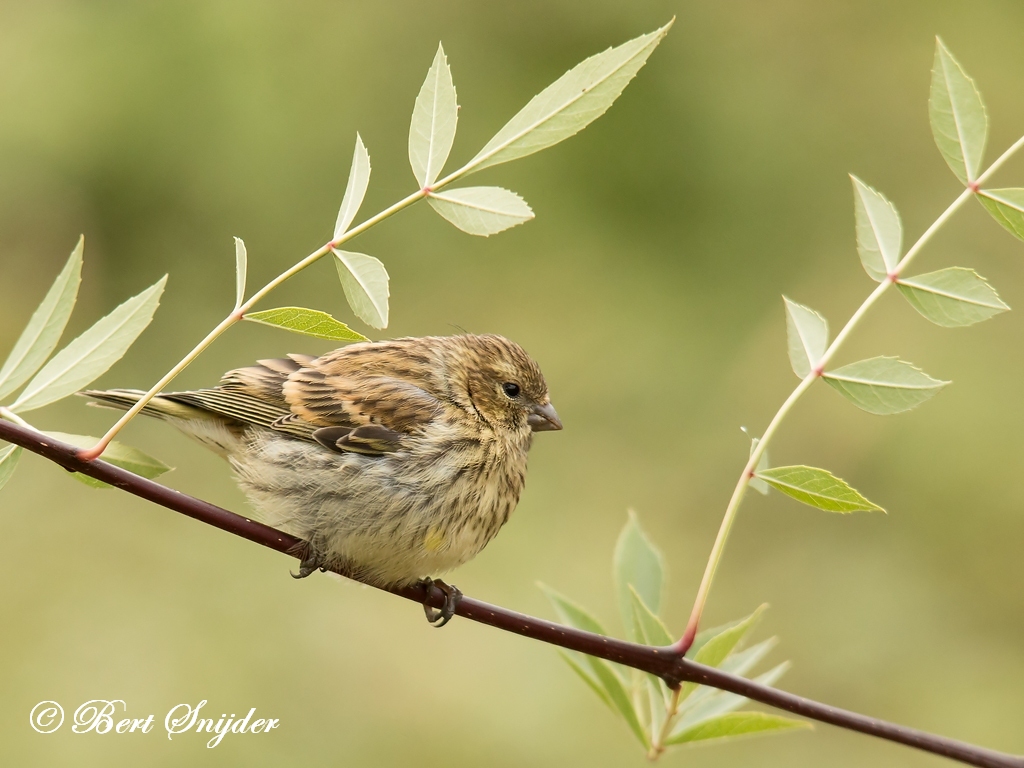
<point>663,662</point>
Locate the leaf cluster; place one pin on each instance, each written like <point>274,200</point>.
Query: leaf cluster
<point>951,297</point>
<point>660,717</point>
<point>77,365</point>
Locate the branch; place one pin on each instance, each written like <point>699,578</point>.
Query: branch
<point>684,642</point>
<point>666,663</point>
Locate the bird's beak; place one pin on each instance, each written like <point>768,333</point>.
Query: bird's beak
<point>544,418</point>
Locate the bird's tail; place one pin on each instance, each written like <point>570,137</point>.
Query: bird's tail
<point>211,429</point>
<point>159,407</point>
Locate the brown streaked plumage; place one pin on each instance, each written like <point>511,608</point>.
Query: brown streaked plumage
<point>395,459</point>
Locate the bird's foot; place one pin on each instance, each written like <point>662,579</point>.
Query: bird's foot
<point>452,596</point>
<point>309,563</point>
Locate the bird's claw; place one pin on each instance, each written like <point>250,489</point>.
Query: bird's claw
<point>452,596</point>
<point>309,565</point>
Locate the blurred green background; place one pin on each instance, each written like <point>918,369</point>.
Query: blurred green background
<point>649,290</point>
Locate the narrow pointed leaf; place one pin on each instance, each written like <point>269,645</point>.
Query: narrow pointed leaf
<point>571,613</point>
<point>738,663</point>
<point>743,661</point>
<point>309,322</point>
<point>736,724</point>
<point>9,458</point>
<point>651,631</point>
<point>619,696</point>
<point>1006,207</point>
<point>952,297</point>
<point>879,231</point>
<point>366,286</point>
<point>817,488</point>
<point>883,385</point>
<point>91,354</point>
<point>355,189</point>
<point>807,333</point>
<point>241,267</point>
<point>571,103</point>
<point>118,454</point>
<point>715,650</point>
<point>957,114</point>
<point>636,562</point>
<point>762,463</point>
<point>434,119</point>
<point>720,702</point>
<point>481,211</point>
<point>43,331</point>
<point>575,660</point>
<point>602,672</point>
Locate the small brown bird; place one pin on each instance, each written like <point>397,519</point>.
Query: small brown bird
<point>392,459</point>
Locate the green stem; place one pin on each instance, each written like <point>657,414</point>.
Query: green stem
<point>684,643</point>
<point>7,413</point>
<point>658,743</point>
<point>91,453</point>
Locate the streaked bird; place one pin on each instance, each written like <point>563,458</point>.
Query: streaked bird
<point>394,460</point>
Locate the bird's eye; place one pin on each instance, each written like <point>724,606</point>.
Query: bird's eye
<point>511,388</point>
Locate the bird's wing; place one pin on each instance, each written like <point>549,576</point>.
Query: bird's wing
<point>365,398</point>
<point>253,396</point>
<point>384,386</point>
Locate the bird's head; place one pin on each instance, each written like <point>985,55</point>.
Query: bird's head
<point>505,385</point>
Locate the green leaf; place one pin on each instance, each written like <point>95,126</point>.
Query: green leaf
<point>43,331</point>
<point>366,286</point>
<point>481,211</point>
<point>309,322</point>
<point>714,646</point>
<point>879,232</point>
<point>355,189</point>
<point>572,613</point>
<point>619,696</point>
<point>118,454</point>
<point>604,674</point>
<point>91,354</point>
<point>762,463</point>
<point>817,488</point>
<point>576,661</point>
<point>434,118</point>
<point>957,114</point>
<point>952,297</point>
<point>883,385</point>
<point>649,628</point>
<point>1006,207</point>
<point>738,663</point>
<point>9,457</point>
<point>715,650</point>
<point>718,703</point>
<point>735,724</point>
<point>743,661</point>
<point>651,631</point>
<point>570,104</point>
<point>637,563</point>
<point>807,333</point>
<point>241,265</point>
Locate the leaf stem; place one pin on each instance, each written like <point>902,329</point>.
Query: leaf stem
<point>7,413</point>
<point>684,642</point>
<point>658,742</point>
<point>88,454</point>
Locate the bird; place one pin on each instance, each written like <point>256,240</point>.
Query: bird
<point>392,460</point>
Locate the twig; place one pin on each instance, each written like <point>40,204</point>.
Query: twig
<point>684,642</point>
<point>666,663</point>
